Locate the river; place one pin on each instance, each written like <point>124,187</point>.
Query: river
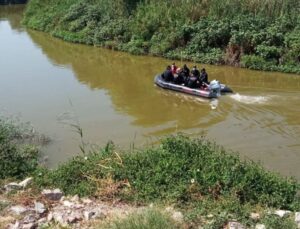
<point>111,96</point>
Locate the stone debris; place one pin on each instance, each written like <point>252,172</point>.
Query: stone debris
<point>39,208</point>
<point>30,226</point>
<point>54,195</point>
<point>12,186</point>
<point>18,186</point>
<point>68,204</point>
<point>282,213</point>
<point>260,226</point>
<point>70,212</point>
<point>234,225</point>
<point>177,217</point>
<point>255,216</point>
<point>14,226</point>
<point>210,216</point>
<point>88,215</point>
<point>18,209</point>
<point>26,182</point>
<point>297,217</point>
<point>74,212</point>
<point>29,219</point>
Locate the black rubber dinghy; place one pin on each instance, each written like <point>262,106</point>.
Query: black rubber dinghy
<point>206,93</point>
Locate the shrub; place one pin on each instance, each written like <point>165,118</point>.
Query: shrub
<point>17,159</point>
<point>203,31</point>
<point>180,170</point>
<point>147,219</point>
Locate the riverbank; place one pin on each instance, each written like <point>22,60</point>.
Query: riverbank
<point>256,38</point>
<point>204,185</point>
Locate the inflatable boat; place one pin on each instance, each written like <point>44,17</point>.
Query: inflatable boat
<point>213,90</point>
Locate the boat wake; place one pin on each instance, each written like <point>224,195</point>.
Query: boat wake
<point>249,99</point>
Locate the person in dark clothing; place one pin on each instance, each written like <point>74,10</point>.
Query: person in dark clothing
<point>204,76</point>
<point>186,74</point>
<point>179,79</point>
<point>195,72</point>
<point>186,70</point>
<point>194,79</point>
<point>167,75</point>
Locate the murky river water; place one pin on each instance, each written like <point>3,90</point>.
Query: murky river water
<point>111,96</point>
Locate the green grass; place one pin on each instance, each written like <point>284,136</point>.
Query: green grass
<point>146,219</point>
<point>194,175</point>
<point>180,170</point>
<point>18,153</point>
<point>262,35</point>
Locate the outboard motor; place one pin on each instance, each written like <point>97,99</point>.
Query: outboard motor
<point>215,87</point>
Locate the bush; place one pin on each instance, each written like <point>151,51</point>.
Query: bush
<point>253,62</point>
<point>203,31</point>
<point>17,159</point>
<point>180,170</point>
<point>147,219</point>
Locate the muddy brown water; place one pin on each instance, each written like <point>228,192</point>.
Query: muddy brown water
<point>111,96</point>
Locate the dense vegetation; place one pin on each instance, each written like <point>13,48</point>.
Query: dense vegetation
<point>18,157</point>
<point>257,34</point>
<point>148,219</point>
<point>196,176</point>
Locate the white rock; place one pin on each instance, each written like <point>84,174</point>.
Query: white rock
<point>177,216</point>
<point>58,217</point>
<point>255,216</point>
<point>15,226</point>
<point>55,194</point>
<point>86,201</point>
<point>50,216</point>
<point>18,209</point>
<point>29,219</point>
<point>297,217</point>
<point>75,198</point>
<point>78,206</point>
<point>68,204</point>
<point>42,220</point>
<point>235,225</point>
<point>39,207</point>
<point>210,216</point>
<point>88,215</point>
<point>26,182</point>
<point>74,217</point>
<point>260,226</point>
<point>29,226</point>
<point>169,209</point>
<point>282,213</point>
<point>12,186</point>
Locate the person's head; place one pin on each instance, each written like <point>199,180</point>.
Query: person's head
<point>195,67</point>
<point>168,67</point>
<point>173,64</point>
<point>203,70</point>
<point>184,66</point>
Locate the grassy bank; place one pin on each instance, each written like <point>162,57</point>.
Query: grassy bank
<point>18,149</point>
<point>193,175</point>
<point>263,35</point>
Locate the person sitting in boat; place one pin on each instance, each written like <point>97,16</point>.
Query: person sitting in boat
<point>167,75</point>
<point>186,70</point>
<point>173,68</point>
<point>179,79</point>
<point>204,76</point>
<point>194,79</point>
<point>195,72</point>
